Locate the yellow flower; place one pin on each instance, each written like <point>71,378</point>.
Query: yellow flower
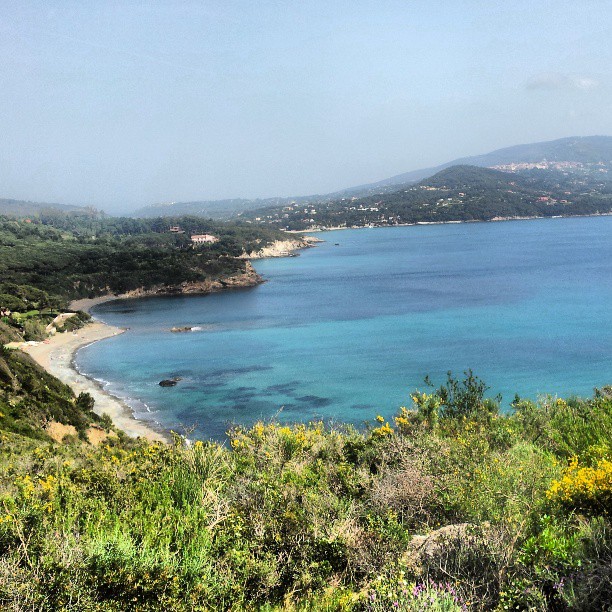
<point>584,486</point>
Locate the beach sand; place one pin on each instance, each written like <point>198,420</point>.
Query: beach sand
<point>86,304</point>
<point>55,355</point>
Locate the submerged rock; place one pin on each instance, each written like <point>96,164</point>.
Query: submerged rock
<point>169,382</point>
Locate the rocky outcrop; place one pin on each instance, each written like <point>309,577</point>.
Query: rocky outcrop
<point>437,547</point>
<point>170,382</point>
<point>248,278</point>
<point>282,248</point>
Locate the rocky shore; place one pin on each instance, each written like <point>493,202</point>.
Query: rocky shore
<point>248,278</point>
<point>283,248</point>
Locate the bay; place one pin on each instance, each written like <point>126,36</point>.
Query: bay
<point>350,328</point>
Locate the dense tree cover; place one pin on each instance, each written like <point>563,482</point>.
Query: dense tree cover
<point>458,193</point>
<point>85,255</point>
<point>449,506</point>
<point>24,297</point>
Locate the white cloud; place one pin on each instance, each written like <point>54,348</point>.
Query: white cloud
<point>556,80</point>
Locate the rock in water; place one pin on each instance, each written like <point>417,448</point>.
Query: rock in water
<point>168,383</point>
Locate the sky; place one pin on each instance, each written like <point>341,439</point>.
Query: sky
<point>123,104</point>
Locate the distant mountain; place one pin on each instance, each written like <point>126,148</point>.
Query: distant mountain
<point>589,150</point>
<point>456,193</point>
<point>589,155</point>
<point>215,209</point>
<point>21,208</point>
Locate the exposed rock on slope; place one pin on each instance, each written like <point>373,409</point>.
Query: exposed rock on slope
<point>283,248</point>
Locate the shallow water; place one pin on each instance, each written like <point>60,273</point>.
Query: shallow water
<point>347,332</point>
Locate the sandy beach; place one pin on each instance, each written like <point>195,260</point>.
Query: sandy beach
<point>56,354</point>
<point>86,304</point>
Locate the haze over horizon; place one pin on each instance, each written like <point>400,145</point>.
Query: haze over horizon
<point>120,105</point>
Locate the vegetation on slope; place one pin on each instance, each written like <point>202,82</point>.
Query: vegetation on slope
<point>74,256</point>
<point>30,398</point>
<point>317,518</point>
<point>458,193</point>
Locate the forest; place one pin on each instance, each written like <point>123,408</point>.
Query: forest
<point>72,256</point>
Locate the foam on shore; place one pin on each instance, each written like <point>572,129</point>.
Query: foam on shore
<point>56,355</point>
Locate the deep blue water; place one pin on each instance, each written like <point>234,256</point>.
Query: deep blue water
<point>347,332</point>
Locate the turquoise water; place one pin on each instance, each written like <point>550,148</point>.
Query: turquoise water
<point>347,331</point>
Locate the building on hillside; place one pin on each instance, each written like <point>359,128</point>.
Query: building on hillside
<point>176,229</point>
<point>204,238</point>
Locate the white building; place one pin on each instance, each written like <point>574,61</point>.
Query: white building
<point>204,238</point>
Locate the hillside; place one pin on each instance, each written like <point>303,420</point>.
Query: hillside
<point>586,156</point>
<point>450,506</point>
<point>586,151</point>
<point>214,209</point>
<point>457,193</point>
<point>22,208</point>
<point>69,256</point>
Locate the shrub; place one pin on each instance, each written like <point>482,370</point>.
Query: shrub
<point>34,329</point>
<point>589,589</point>
<point>395,593</point>
<point>587,489</point>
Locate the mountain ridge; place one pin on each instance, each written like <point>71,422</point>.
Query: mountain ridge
<point>579,149</point>
<point>10,207</point>
<point>552,150</point>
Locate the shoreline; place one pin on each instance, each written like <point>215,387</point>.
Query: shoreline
<point>56,355</point>
<point>422,223</point>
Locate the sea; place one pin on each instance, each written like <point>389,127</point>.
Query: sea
<point>350,328</point>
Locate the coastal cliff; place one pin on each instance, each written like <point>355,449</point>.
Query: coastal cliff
<point>282,248</point>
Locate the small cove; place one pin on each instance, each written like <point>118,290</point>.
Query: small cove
<point>347,332</point>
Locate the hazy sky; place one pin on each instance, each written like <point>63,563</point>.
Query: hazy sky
<point>121,104</point>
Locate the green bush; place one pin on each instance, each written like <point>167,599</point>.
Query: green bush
<point>414,513</point>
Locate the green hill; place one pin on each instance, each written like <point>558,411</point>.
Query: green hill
<point>581,149</point>
<point>457,193</point>
<point>75,256</point>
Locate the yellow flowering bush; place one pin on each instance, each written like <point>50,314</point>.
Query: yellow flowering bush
<point>584,488</point>
<point>384,430</point>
